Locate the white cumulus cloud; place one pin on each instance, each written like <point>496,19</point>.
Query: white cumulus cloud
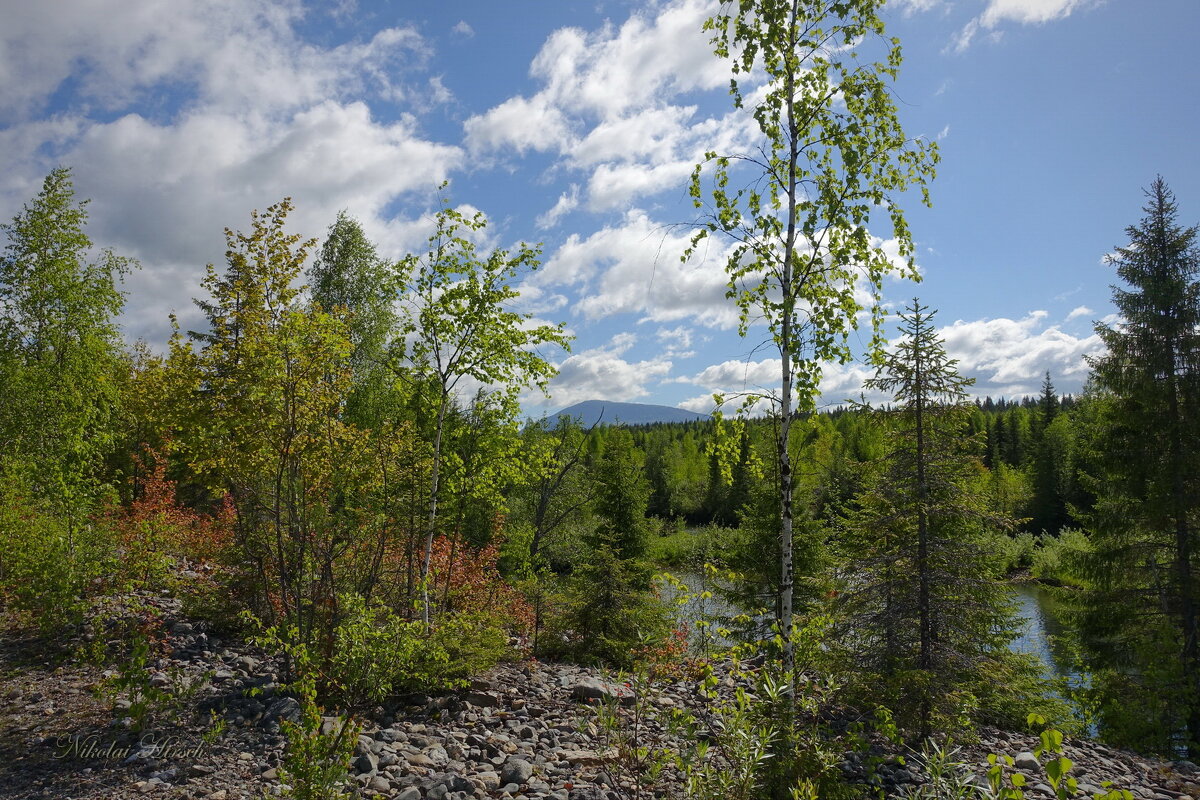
<point>181,118</point>
<point>603,374</point>
<point>634,268</point>
<point>1010,357</point>
<point>614,104</point>
<point>1021,12</point>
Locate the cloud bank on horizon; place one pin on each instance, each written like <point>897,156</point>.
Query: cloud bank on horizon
<point>577,127</point>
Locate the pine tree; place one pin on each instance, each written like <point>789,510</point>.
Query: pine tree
<point>1142,614</point>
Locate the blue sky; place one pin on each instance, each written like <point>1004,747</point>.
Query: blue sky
<point>576,125</point>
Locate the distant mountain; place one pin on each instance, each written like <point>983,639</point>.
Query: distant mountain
<point>609,413</point>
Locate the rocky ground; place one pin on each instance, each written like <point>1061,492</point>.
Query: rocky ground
<point>525,730</point>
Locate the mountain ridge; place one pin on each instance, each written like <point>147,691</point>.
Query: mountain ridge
<point>608,412</point>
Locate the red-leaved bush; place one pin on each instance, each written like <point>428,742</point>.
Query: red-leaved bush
<point>154,531</point>
<point>468,581</point>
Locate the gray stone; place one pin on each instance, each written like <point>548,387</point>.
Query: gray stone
<point>284,708</point>
<point>1027,761</point>
<point>488,780</point>
<point>482,699</point>
<point>516,770</point>
<point>379,784</point>
<point>456,783</point>
<point>331,725</point>
<point>411,793</point>
<point>591,690</point>
<point>366,764</point>
<point>581,757</point>
<point>247,663</point>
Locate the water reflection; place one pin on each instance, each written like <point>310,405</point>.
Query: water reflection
<point>1042,630</point>
<point>696,608</point>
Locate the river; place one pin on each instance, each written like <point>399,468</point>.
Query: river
<point>1036,605</point>
<point>1039,629</point>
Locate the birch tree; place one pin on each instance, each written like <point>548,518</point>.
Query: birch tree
<point>458,327</point>
<point>827,156</point>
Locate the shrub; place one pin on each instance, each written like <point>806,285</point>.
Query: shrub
<point>690,548</point>
<point>469,582</point>
<point>1057,558</point>
<point>608,614</point>
<point>316,758</point>
<point>132,684</point>
<point>49,566</point>
<point>767,738</point>
<point>377,654</point>
<point>1008,553</point>
<point>155,532</point>
<point>473,643</point>
<point>1011,684</point>
<point>375,651</point>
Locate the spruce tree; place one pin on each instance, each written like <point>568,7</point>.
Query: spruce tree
<point>1142,613</point>
<point>622,496</point>
<point>611,607</point>
<point>921,616</point>
<point>1048,508</point>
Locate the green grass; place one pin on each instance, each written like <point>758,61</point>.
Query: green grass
<point>688,548</point>
<point>675,549</point>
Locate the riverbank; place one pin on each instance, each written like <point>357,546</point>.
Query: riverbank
<point>526,729</point>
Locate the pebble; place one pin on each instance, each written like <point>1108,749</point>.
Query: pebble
<point>526,730</point>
